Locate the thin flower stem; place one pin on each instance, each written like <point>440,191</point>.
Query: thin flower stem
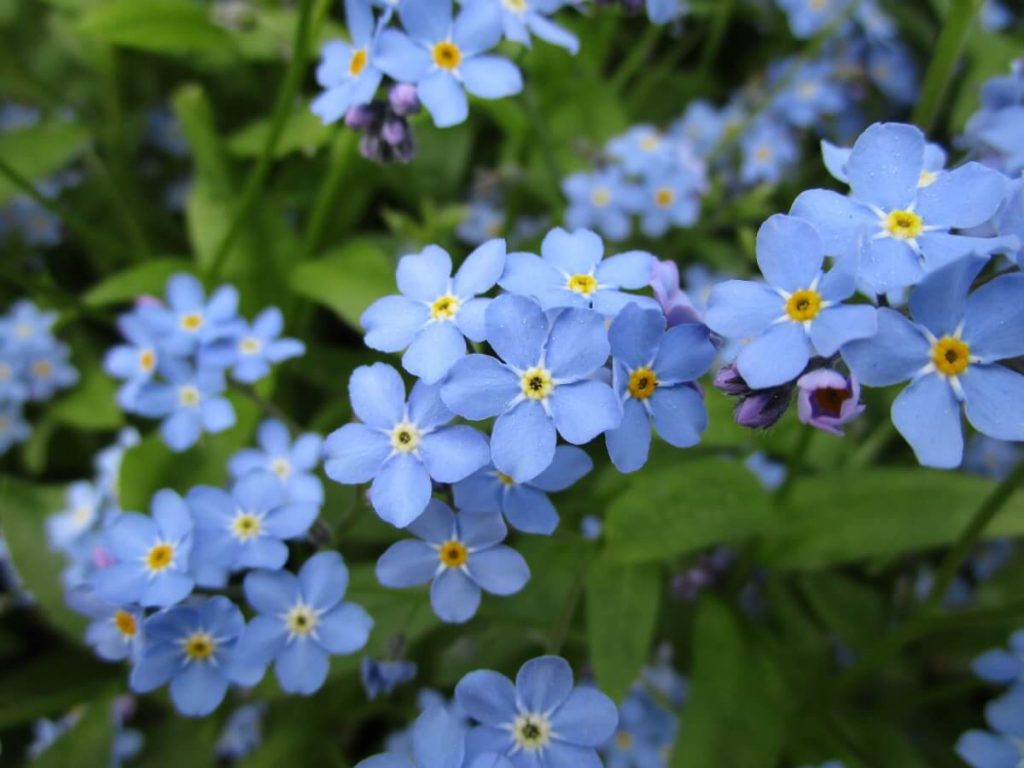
<point>955,30</point>
<point>268,408</point>
<point>572,599</point>
<point>637,58</point>
<point>795,464</point>
<point>719,25</point>
<point>544,139</point>
<point>340,162</point>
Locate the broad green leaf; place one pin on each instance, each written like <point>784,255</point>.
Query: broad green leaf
<point>735,709</point>
<point>160,26</point>
<point>847,516</point>
<point>348,279</point>
<point>852,611</point>
<point>671,510</point>
<point>37,151</point>
<point>303,132</point>
<point>51,683</point>
<point>92,404</point>
<point>23,511</point>
<point>149,277</point>
<point>622,610</point>
<point>90,740</point>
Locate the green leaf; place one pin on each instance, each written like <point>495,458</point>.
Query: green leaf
<point>303,132</point>
<point>149,277</point>
<point>735,708</point>
<point>622,610</point>
<point>160,26</point>
<point>847,516</point>
<point>348,279</point>
<point>90,740</point>
<point>92,405</point>
<point>49,684</point>
<point>23,511</point>
<point>956,28</point>
<point>671,510</point>
<point>40,150</point>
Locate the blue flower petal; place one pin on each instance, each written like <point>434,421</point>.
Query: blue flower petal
<point>997,666</point>
<point>523,441</point>
<point>488,697</point>
<point>939,301</point>
<point>444,98</point>
<point>1004,713</point>
<point>158,664</point>
<point>740,308</point>
<point>569,465</point>
<point>544,683</point>
<point>685,354</point>
<point>427,20</point>
<point>434,351</point>
<point>561,754</point>
<point>550,32</point>
<point>840,221</point>
<point>679,415</point>
<point>610,302</point>
<point>401,490</point>
<point>261,641</point>
<point>424,276</point>
<point>480,531</point>
<point>584,410</point>
<point>928,416</point>
<point>355,453</point>
<point>629,443</point>
<point>438,739</point>
<point>302,667</point>
<point>529,510</point>
<point>516,329</point>
<point>436,524</point>
<point>838,325</point>
<point>392,322</point>
<point>994,401</point>
<point>634,335</point>
<point>573,253</point>
<point>426,408</point>
<point>471,319</point>
<point>778,356</point>
<point>897,352</point>
<point>981,749</point>
<point>344,629</point>
<point>528,275</point>
<point>181,430</point>
<point>994,319</point>
<point>272,592</point>
<point>407,563</point>
<point>587,718</point>
<point>499,570</point>
<point>888,264</point>
<point>198,689</point>
<point>481,269</point>
<point>480,492</point>
<point>790,252</point>
<point>454,453</point>
<point>943,202</point>
<point>454,598</point>
<point>491,77</point>
<point>577,344</point>
<point>626,270</point>
<point>477,28</point>
<point>377,395</point>
<point>323,580</point>
<point>885,165</point>
<point>400,58</point>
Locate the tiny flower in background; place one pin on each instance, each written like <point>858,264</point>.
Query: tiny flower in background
<point>522,18</point>
<point>808,17</point>
<point>190,402</point>
<point>252,349</point>
<point>756,408</point>
<point>461,555</point>
<point>675,303</point>
<point>83,511</point>
<point>115,632</point>
<point>400,446</point>
<point>771,474</point>
<point>189,319</point>
<point>601,200</point>
<point>769,149</point>
<point>302,621</point>
<point>348,72</point>
<point>380,678</point>
<point>541,719</point>
<point>990,457</point>
<point>242,733</point>
<point>135,362</point>
<point>1000,747</point>
<point>827,400</point>
<point>1003,667</point>
<point>293,463</point>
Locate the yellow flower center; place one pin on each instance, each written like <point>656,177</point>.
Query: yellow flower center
<point>147,360</point>
<point>160,557</point>
<point>444,307</point>
<point>650,143</point>
<point>357,63</point>
<point>816,5</point>
<point>188,396</point>
<point>453,554</point>
<point>951,356</point>
<point>251,346</point>
<point>531,731</point>
<point>536,383</point>
<point>447,55</point>
<point>664,197</point>
<point>23,331</point>
<point>624,739</point>
<point>505,480</point>
<point>282,468</point>
<point>582,284</point>
<point>405,438</point>
<point>642,383</point>
<point>906,225</point>
<point>927,179</point>
<point>192,322</point>
<point>125,623</point>
<point>246,526</point>
<point>516,6</point>
<point>803,305</point>
<point>301,620</point>
<point>763,153</point>
<point>199,646</point>
<point>42,369</point>
<point>601,196</point>
<point>5,372</point>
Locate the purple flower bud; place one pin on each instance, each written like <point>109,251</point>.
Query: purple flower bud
<point>403,99</point>
<point>729,381</point>
<point>394,131</point>
<point>361,117</point>
<point>827,400</point>
<point>763,407</point>
<point>372,148</point>
<point>674,302</point>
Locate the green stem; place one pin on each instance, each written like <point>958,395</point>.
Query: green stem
<point>795,464</point>
<point>341,156</point>
<point>133,231</point>
<point>719,24</point>
<point>638,56</point>
<point>544,139</point>
<point>282,111</point>
<point>572,599</point>
<point>268,408</point>
<point>955,30</point>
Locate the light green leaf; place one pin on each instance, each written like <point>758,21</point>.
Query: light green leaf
<point>40,150</point>
<point>90,740</point>
<point>91,405</point>
<point>622,610</point>
<point>148,277</point>
<point>671,510</point>
<point>160,26</point>
<point>348,279</point>
<point>303,132</point>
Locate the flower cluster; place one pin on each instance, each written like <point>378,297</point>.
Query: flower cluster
<point>34,366</point>
<point>551,333</point>
<point>177,353</point>
<point>999,746</point>
<point>896,233</point>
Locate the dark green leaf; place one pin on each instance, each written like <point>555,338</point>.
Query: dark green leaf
<point>148,277</point>
<point>303,132</point>
<point>91,739</point>
<point>161,26</point>
<point>40,150</point>
<point>91,405</point>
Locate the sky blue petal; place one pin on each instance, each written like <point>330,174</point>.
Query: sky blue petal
<point>885,165</point>
<point>981,749</point>
<point>740,308</point>
<point>577,344</point>
<point>438,739</point>
<point>523,441</point>
<point>790,252</point>
<point>305,453</point>
<point>377,395</point>
<point>550,32</point>
<point>355,453</point>
<point>359,18</point>
<point>530,510</point>
<point>569,465</point>
<point>434,351</point>
<point>1006,714</point>
<point>272,592</point>
<point>584,410</point>
<point>331,105</point>
<point>119,583</point>
<point>894,354</point>
<point>400,58</point>
<point>273,436</point>
<point>444,98</point>
<point>385,761</point>
<point>171,515</point>
<point>436,524</point>
<point>454,453</point>
<point>158,664</point>
<point>131,535</point>
<point>941,248</point>
<point>634,335</point>
<point>168,588</point>
<point>562,297</point>
<point>488,739</point>
<point>401,490</point>
<point>943,202</point>
<point>997,666</point>
<point>685,354</point>
<point>302,667</point>
<point>499,570</point>
<point>610,302</point>
<point>426,408</point>
<point>181,430</point>
<point>488,697</point>
<point>939,301</point>
<point>626,270</point>
<point>840,282</point>
<point>481,269</point>
<point>888,264</point>
<point>261,641</point>
<point>427,20</point>
<point>454,597</point>
<point>838,325</point>
<point>562,755</point>
<point>528,275</point>
<point>264,552</point>
<point>994,319</point>
<point>471,319</point>
<point>587,718</point>
<point>258,491</point>
<point>574,253</point>
<point>344,629</point>
<point>407,563</point>
<point>218,414</point>
<point>516,329</point>
<point>223,303</point>
<point>544,683</point>
<point>477,28</point>
<point>835,160</point>
<point>994,401</point>
<point>198,689</point>
<point>778,356</point>
<point>480,492</point>
<point>928,416</point>
<point>185,293</point>
<point>629,443</point>
<point>482,530</point>
<point>840,221</point>
<point>323,580</point>
<point>424,276</point>
<point>679,415</point>
<point>392,322</point>
<point>491,77</point>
